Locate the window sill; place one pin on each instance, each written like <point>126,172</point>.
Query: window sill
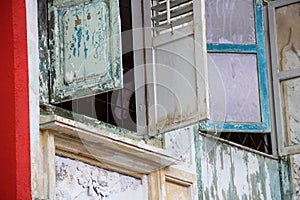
<point>77,140</point>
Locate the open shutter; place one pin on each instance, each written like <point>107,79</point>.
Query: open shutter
<point>284,23</point>
<point>85,48</point>
<point>237,68</point>
<point>175,63</point>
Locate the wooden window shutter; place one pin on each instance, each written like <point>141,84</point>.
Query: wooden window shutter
<point>175,63</point>
<point>85,48</point>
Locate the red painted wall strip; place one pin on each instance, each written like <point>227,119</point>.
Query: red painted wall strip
<point>14,103</point>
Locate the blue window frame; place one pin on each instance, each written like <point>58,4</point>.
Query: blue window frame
<point>257,47</point>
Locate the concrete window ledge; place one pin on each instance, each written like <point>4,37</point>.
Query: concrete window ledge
<point>103,148</point>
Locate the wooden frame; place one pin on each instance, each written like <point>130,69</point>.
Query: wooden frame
<point>171,182</point>
<point>106,73</point>
<point>194,32</point>
<point>278,77</point>
<point>259,50</point>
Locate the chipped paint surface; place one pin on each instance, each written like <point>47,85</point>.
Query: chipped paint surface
<point>85,48</point>
<point>91,27</point>
<point>181,145</point>
<point>78,180</point>
<point>228,172</point>
<point>295,170</point>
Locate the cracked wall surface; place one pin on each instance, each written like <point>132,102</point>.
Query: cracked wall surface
<point>76,180</point>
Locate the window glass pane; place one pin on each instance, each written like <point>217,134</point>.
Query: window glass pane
<point>288,36</point>
<point>238,87</point>
<point>230,21</point>
<point>291,110</point>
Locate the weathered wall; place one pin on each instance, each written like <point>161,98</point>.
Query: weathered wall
<point>229,172</point>
<point>295,168</point>
<point>78,180</point>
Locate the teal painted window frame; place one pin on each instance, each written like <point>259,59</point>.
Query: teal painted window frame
<point>259,50</point>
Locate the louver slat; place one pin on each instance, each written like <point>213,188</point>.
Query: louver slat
<point>163,6</point>
<point>174,13</point>
<point>174,23</point>
<point>170,14</point>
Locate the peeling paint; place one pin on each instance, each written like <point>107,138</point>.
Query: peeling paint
<point>85,48</point>
<point>78,180</point>
<point>228,172</point>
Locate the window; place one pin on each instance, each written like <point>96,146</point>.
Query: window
<point>81,44</point>
<point>285,48</point>
<point>168,57</point>
<point>175,69</point>
<point>85,48</point>
<point>236,67</point>
<point>116,107</point>
<point>237,74</point>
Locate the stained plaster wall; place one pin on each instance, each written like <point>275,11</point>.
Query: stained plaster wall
<point>229,172</point>
<point>78,180</point>
<point>180,143</point>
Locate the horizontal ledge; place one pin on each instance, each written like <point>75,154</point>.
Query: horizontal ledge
<point>163,6</point>
<point>174,13</point>
<point>105,147</point>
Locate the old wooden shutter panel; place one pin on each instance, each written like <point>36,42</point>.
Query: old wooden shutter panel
<point>284,36</point>
<point>177,76</point>
<point>85,48</point>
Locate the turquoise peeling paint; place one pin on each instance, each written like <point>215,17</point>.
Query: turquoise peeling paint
<point>259,49</point>
<point>273,171</point>
<point>79,34</point>
<point>237,127</point>
<point>262,67</point>
<point>85,48</point>
<point>285,179</point>
<point>230,172</point>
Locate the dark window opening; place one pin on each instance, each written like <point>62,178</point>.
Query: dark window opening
<point>257,141</point>
<point>115,107</point>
